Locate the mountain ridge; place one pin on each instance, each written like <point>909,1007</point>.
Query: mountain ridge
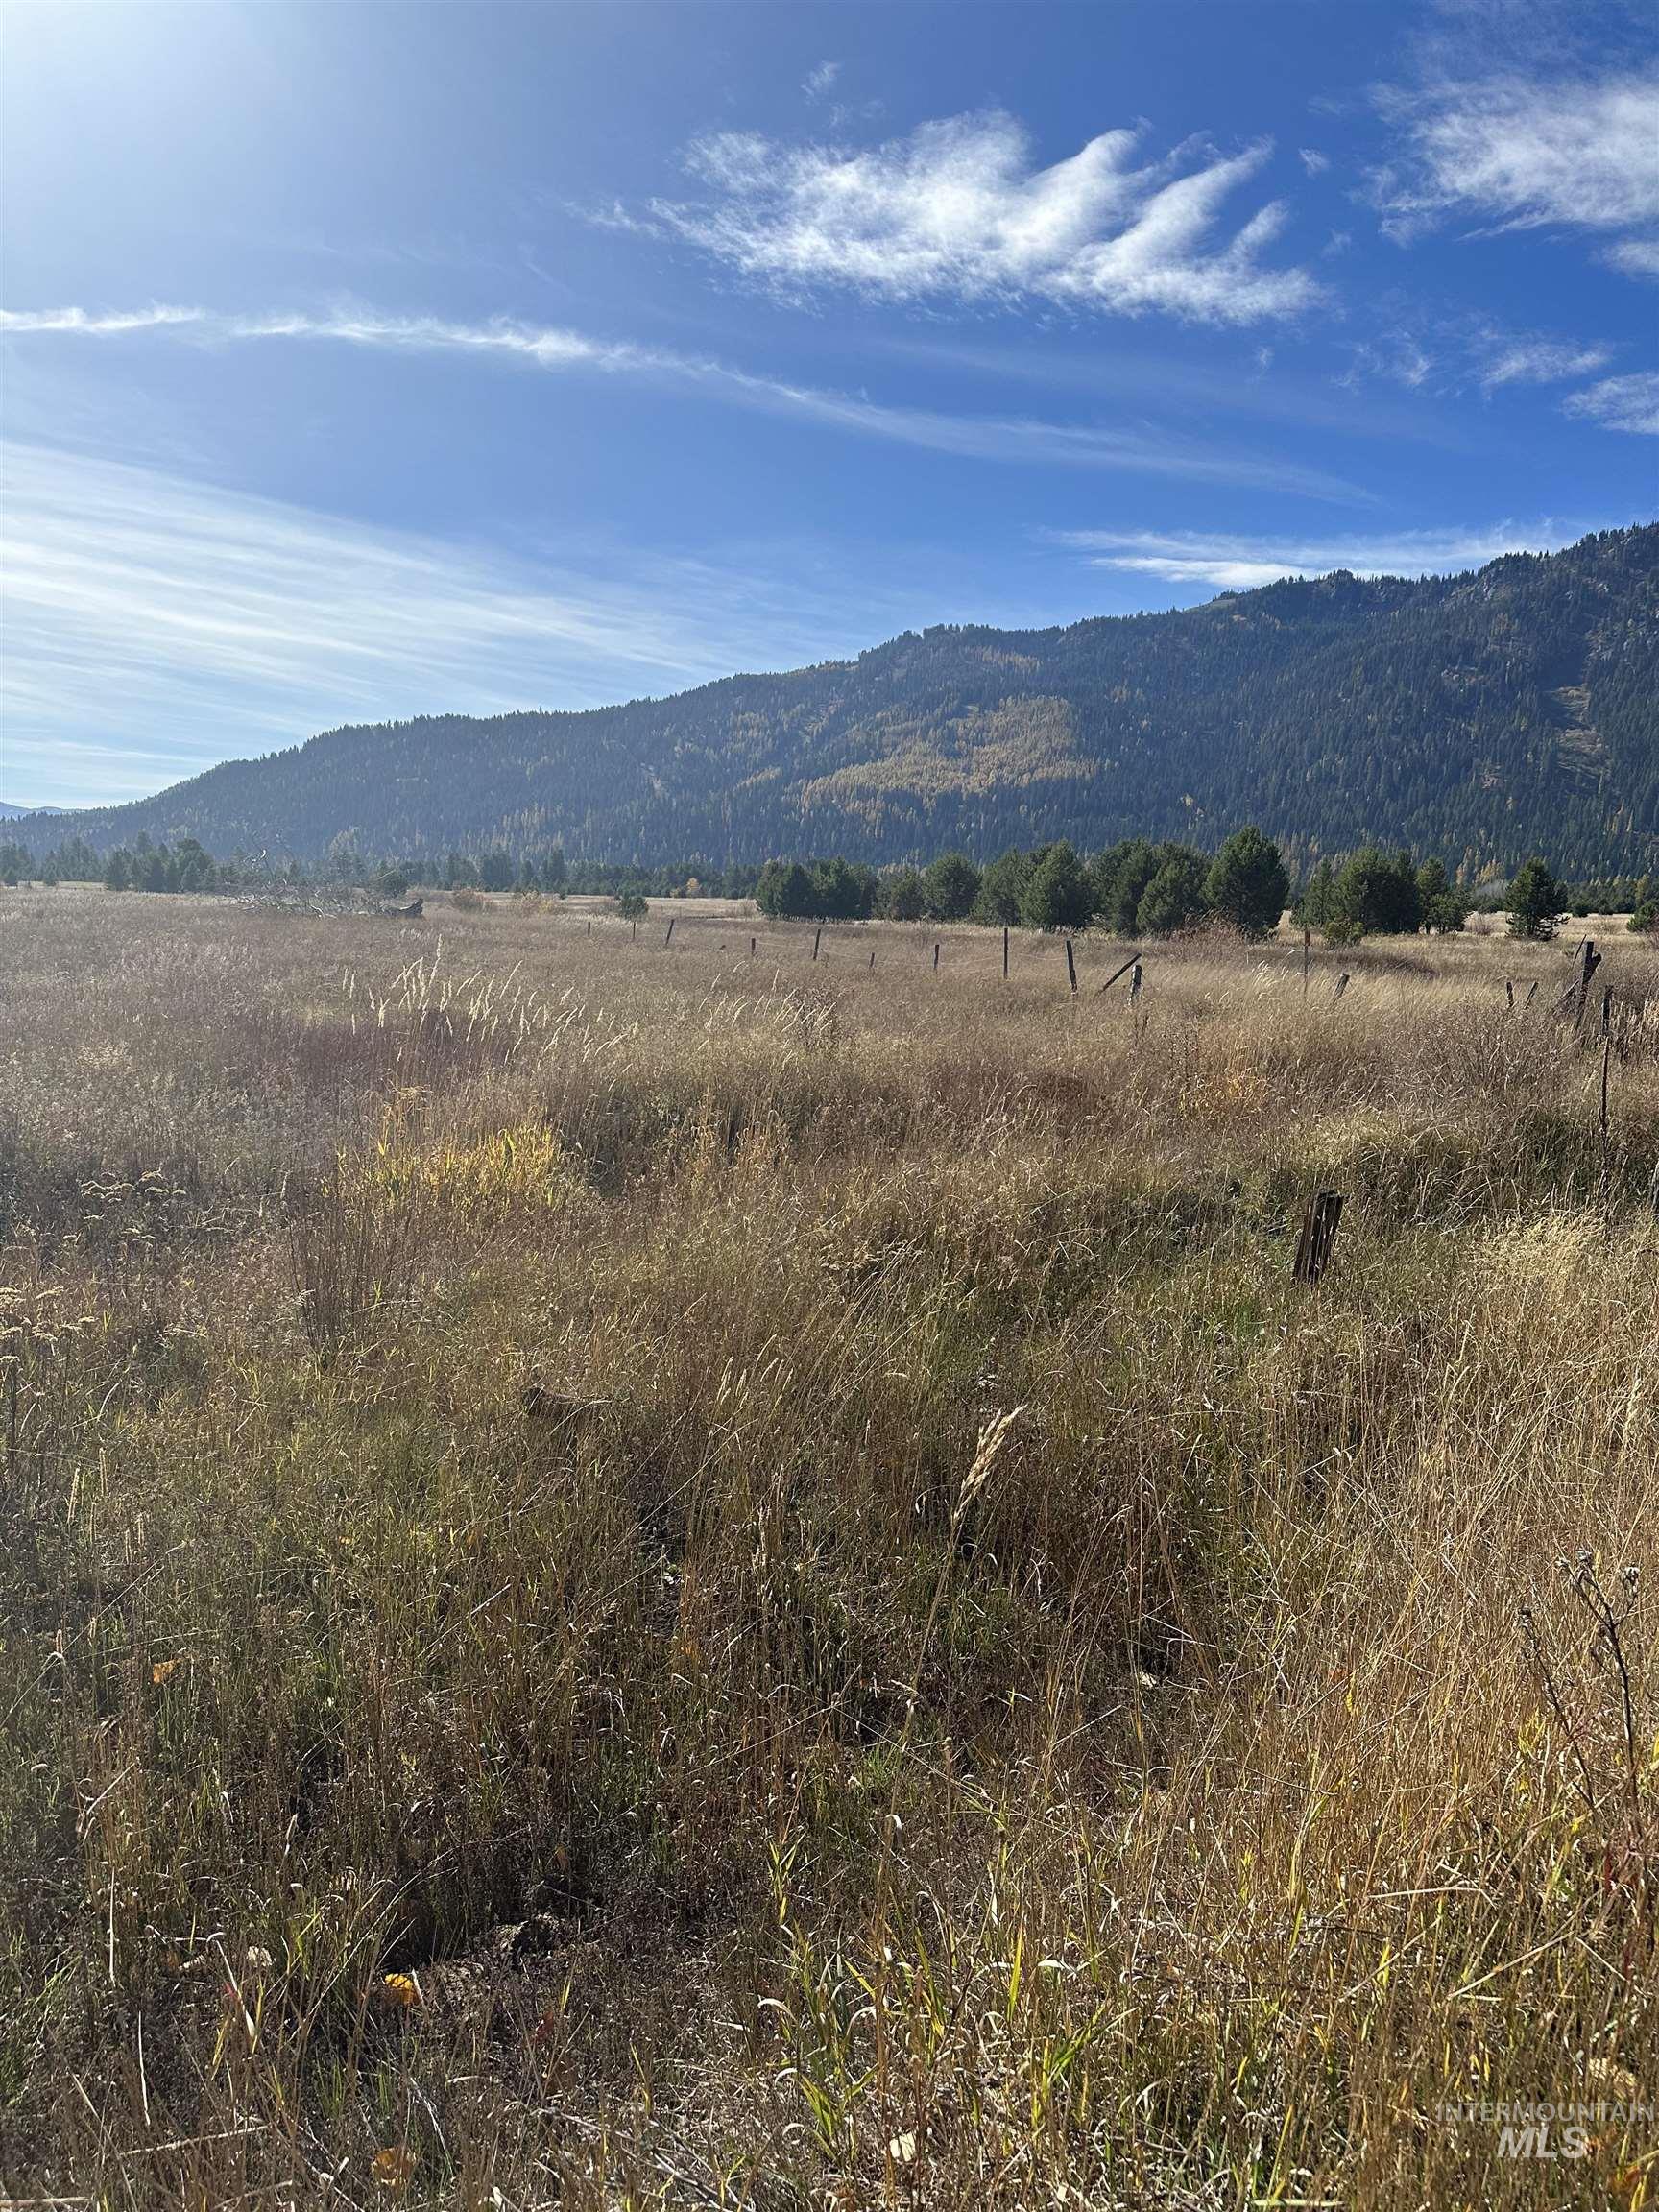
<point>1481,716</point>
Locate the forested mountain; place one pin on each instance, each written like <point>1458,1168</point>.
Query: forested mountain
<point>1479,717</point>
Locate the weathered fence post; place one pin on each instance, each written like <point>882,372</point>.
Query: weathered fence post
<point>1004,952</point>
<point>751,948</point>
<point>669,939</point>
<point>935,955</point>
<point>1509,993</point>
<point>1319,1235</point>
<point>1071,968</point>
<point>1307,958</point>
<point>1591,960</point>
<point>872,959</point>
<point>1606,1070</point>
<point>1341,985</point>
<point>817,940</point>
<point>590,925</point>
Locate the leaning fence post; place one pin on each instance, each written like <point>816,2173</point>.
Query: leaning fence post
<point>669,939</point>
<point>872,959</point>
<point>1341,985</point>
<point>1319,1235</point>
<point>1133,961</point>
<point>817,940</point>
<point>1071,968</point>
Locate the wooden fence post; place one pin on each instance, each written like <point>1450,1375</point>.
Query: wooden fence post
<point>669,939</point>
<point>817,940</point>
<point>590,925</point>
<point>872,959</point>
<point>1004,952</point>
<point>1307,958</point>
<point>1133,961</point>
<point>1341,985</point>
<point>751,948</point>
<point>1071,968</point>
<point>1509,993</point>
<point>1606,1069</point>
<point>1319,1235</point>
<point>935,955</point>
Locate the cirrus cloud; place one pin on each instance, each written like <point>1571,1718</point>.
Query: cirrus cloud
<point>1235,563</point>
<point>1620,403</point>
<point>1523,152</point>
<point>1001,438</point>
<point>958,212</point>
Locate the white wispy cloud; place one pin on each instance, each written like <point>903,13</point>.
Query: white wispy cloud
<point>972,436</point>
<point>822,79</point>
<point>1520,152</point>
<point>1620,403</point>
<point>1312,160</point>
<point>1398,357</point>
<point>154,624</point>
<point>1523,360</point>
<point>959,211</point>
<point>1234,563</point>
<point>1458,353</point>
<point>79,322</point>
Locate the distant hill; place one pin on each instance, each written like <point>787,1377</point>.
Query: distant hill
<point>1480,717</point>
<point>11,813</point>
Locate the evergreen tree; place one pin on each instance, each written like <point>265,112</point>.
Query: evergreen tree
<point>1248,883</point>
<point>903,898</point>
<point>1536,900</point>
<point>1002,889</point>
<point>1121,877</point>
<point>784,890</point>
<point>950,884</point>
<point>1058,895</point>
<point>1174,898</point>
<point>1377,894</point>
<point>1441,906</point>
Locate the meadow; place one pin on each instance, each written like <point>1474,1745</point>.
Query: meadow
<point>638,1575</point>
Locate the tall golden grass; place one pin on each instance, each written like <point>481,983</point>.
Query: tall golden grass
<point>639,1575</point>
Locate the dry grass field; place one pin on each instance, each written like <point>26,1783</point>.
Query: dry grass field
<point>634,1575</point>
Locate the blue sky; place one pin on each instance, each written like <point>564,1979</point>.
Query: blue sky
<point>368,360</point>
